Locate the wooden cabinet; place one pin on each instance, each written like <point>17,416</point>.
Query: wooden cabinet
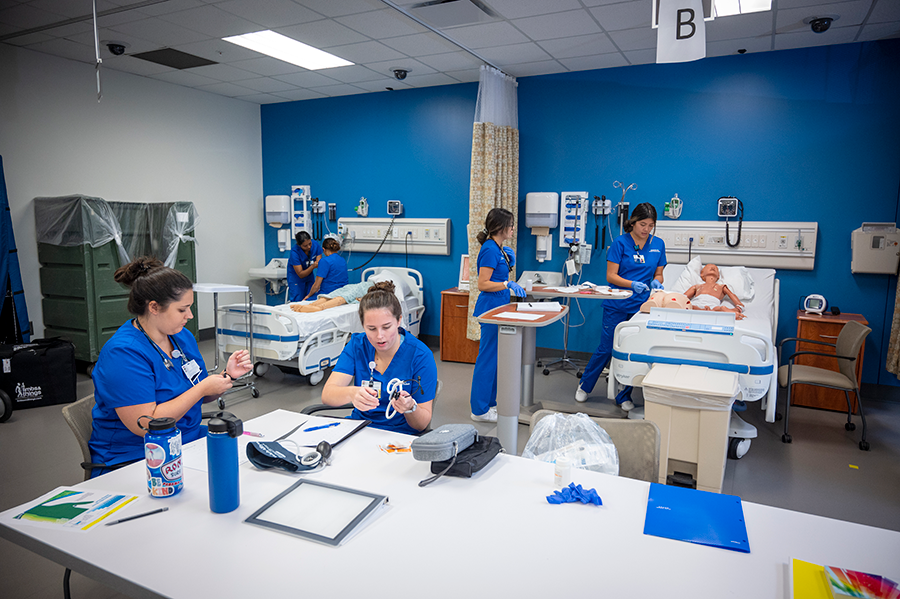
<point>455,347</point>
<point>824,327</point>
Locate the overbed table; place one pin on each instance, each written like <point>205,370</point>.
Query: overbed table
<point>493,535</point>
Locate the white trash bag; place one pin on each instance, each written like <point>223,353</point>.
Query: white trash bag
<point>576,437</point>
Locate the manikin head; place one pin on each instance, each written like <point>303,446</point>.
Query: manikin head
<point>710,271</point>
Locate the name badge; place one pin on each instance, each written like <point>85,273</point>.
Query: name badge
<point>373,385</point>
<point>639,258</point>
<point>191,369</point>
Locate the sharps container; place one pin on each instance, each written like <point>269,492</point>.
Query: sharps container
<point>162,449</point>
<point>223,429</point>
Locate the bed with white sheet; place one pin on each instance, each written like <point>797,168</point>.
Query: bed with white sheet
<point>313,341</point>
<point>750,350</point>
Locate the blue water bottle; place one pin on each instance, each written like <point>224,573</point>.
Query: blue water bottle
<point>162,449</point>
<point>221,450</point>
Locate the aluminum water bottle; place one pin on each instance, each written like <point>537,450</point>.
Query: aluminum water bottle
<point>222,454</point>
<point>162,449</point>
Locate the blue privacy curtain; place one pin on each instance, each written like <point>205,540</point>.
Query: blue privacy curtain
<point>14,327</point>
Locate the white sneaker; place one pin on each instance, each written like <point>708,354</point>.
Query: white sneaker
<point>489,416</point>
<point>581,395</point>
<point>627,405</point>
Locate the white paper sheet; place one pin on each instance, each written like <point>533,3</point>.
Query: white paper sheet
<point>518,316</point>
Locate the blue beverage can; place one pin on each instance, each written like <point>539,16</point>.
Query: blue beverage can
<point>162,449</point>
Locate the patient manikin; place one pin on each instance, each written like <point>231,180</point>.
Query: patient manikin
<point>348,294</point>
<point>709,294</point>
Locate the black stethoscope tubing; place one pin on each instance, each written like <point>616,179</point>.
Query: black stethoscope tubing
<point>166,361</point>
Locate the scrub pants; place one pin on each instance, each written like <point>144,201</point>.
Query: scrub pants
<point>611,318</point>
<point>484,378</point>
<point>298,291</point>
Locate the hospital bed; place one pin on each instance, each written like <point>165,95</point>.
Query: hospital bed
<point>312,341</point>
<point>638,344</point>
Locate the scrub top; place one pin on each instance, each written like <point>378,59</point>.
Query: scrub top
<point>333,270</point>
<point>491,256</point>
<point>131,372</point>
<point>635,265</point>
<point>413,360</point>
<point>303,260</point>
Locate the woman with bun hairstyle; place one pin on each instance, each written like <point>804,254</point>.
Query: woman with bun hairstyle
<point>495,262</point>
<point>372,360</point>
<point>635,261</point>
<point>152,366</point>
<point>331,272</point>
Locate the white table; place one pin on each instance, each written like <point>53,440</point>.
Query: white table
<point>496,526</point>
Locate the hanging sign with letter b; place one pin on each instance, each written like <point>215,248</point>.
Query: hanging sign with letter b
<point>681,36</point>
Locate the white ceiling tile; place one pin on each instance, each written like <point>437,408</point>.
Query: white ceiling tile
<point>66,8</point>
<point>300,94</point>
<point>160,32</point>
<point>185,77</point>
<point>379,85</point>
<point>782,4</point>
<point>582,45</point>
<point>26,16</point>
<point>515,53</point>
<point>266,84</point>
<point>126,16</point>
<point>66,49</point>
<point>851,13</point>
<point>31,38</point>
<point>880,31</point>
<point>528,69</point>
<point>339,8</point>
<point>71,29</point>
<point>261,98</point>
<point>129,64</point>
<point>740,26</point>
<point>135,45</point>
<point>271,13</point>
<point>605,2</point>
<point>411,65</point>
<point>322,34</point>
<point>634,39</point>
<point>627,15</point>
<point>351,74</point>
<point>306,79</point>
<point>267,66</point>
<point>884,11</point>
<point>600,61</point>
<point>516,9</point>
<point>365,52</point>
<point>731,46</point>
<point>430,80</point>
<point>223,72</point>
<point>218,50</point>
<point>465,75</point>
<point>636,57</point>
<point>806,39</point>
<point>344,89</point>
<point>420,44</point>
<point>451,61</point>
<point>545,27</point>
<point>225,89</point>
<point>487,34</point>
<point>168,7</point>
<point>212,21</point>
<point>380,24</point>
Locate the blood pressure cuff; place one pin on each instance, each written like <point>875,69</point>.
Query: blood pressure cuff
<point>271,454</point>
<point>472,459</point>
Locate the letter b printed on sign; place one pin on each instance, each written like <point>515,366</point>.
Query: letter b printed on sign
<point>681,35</point>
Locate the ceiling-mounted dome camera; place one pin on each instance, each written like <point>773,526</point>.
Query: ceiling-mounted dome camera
<point>116,48</point>
<point>820,24</point>
<point>399,73</point>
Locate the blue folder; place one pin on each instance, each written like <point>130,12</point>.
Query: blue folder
<point>696,517</point>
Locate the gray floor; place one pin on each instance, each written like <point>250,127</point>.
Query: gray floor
<point>822,472</point>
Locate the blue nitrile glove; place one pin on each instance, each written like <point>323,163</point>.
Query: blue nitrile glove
<point>516,288</point>
<point>639,287</point>
<point>655,284</point>
<point>510,255</point>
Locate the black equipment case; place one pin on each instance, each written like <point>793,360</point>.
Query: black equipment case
<point>40,373</point>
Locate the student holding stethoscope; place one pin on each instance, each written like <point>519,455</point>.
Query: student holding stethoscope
<point>152,366</point>
<point>635,261</point>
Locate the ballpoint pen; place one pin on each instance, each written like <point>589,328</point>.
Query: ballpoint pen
<point>150,513</point>
<point>253,434</point>
<point>316,428</point>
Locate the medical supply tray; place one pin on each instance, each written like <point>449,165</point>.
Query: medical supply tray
<point>438,445</point>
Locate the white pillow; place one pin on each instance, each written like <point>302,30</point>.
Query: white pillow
<point>737,278</point>
<point>401,289</point>
<point>689,277</point>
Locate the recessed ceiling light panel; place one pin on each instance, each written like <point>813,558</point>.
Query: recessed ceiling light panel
<point>287,49</point>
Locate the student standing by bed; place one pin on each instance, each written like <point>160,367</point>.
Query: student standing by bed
<point>635,261</point>
<point>304,258</point>
<point>495,262</point>
<point>331,272</point>
<point>370,361</point>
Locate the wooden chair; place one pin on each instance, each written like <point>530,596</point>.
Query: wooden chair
<point>636,441</point>
<point>849,342</point>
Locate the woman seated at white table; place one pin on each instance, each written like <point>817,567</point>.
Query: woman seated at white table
<point>384,358</point>
<point>152,366</point>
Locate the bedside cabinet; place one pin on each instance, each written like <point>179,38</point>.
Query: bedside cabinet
<point>824,327</point>
<point>455,347</point>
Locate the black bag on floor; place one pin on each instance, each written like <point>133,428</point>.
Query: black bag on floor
<point>40,373</point>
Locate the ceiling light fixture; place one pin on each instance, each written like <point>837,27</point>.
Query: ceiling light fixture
<point>287,49</point>
<point>727,8</point>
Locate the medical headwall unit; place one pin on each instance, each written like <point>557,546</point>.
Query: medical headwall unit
<point>541,215</point>
<point>875,249</point>
<point>396,235</point>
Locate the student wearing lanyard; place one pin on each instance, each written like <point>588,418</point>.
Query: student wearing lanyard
<point>152,366</point>
<point>383,359</point>
<point>635,261</point>
<point>495,262</point>
<point>304,258</point>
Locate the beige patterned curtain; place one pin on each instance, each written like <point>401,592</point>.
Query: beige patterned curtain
<point>495,167</point>
<point>893,354</point>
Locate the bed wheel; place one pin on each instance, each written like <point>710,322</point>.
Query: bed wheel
<point>6,407</point>
<point>254,392</point>
<point>738,447</point>
<point>540,364</point>
<point>316,378</point>
<point>90,369</point>
<point>864,445</point>
<point>260,369</point>
<point>786,438</point>
<point>778,416</point>
<point>850,426</point>
<point>578,374</point>
<point>546,371</point>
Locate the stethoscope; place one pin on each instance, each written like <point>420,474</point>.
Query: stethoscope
<point>176,353</point>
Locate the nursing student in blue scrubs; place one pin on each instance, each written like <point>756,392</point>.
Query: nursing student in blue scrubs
<point>495,262</point>
<point>304,258</point>
<point>634,261</point>
<point>372,360</point>
<point>331,273</point>
<point>152,367</point>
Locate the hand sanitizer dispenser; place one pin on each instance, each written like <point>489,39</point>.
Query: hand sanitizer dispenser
<point>541,215</point>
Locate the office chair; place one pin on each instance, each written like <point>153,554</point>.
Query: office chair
<point>79,418</point>
<point>636,441</point>
<point>847,346</point>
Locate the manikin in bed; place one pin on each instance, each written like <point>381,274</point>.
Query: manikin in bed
<point>348,294</point>
<point>710,294</point>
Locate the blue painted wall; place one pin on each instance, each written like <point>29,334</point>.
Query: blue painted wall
<point>797,135</point>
